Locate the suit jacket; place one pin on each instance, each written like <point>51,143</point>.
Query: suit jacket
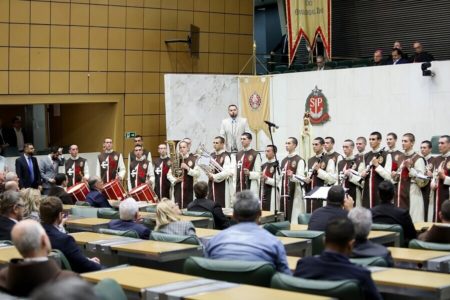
<point>438,233</point>
<point>207,205</point>
<point>21,278</point>
<point>97,199</point>
<point>142,231</point>
<point>24,174</point>
<point>366,248</point>
<point>387,213</point>
<point>400,62</point>
<point>226,131</point>
<point>59,192</point>
<point>49,168</point>
<point>9,134</point>
<point>321,216</point>
<point>67,245</point>
<point>6,225</point>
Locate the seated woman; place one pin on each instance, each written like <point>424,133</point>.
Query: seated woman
<point>168,220</point>
<point>31,198</point>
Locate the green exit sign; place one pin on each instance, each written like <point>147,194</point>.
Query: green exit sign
<point>130,135</point>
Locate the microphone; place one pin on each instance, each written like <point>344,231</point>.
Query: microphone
<point>271,124</point>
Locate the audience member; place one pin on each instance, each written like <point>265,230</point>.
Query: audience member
<point>378,58</point>
<point>2,182</point>
<point>320,64</point>
<point>397,58</point>
<point>203,204</point>
<point>129,214</point>
<point>11,186</point>
<point>420,55</point>
<point>338,205</point>
<point>168,220</point>
<point>67,289</point>
<point>11,212</point>
<point>334,264</point>
<point>32,199</point>
<point>439,232</point>
<point>51,211</point>
<point>362,222</point>
<point>22,276</point>
<point>59,189</point>
<point>247,241</point>
<point>95,197</point>
<point>398,45</point>
<point>48,166</point>
<point>387,213</point>
<point>11,176</point>
<point>27,169</point>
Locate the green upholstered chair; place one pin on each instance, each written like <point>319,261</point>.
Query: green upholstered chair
<point>341,289</point>
<point>82,203</point>
<point>274,227</point>
<point>151,208</point>
<point>85,212</point>
<point>109,289</point>
<point>126,233</point>
<point>61,259</point>
<point>375,261</point>
<point>304,218</point>
<point>108,213</point>
<point>316,237</point>
<point>174,238</point>
<point>5,243</point>
<point>418,244</point>
<point>390,227</point>
<point>245,272</point>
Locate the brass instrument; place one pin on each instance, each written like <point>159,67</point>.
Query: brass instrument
<point>206,162</point>
<point>175,158</point>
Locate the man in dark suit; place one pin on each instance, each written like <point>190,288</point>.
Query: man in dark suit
<point>334,264</point>
<point>206,205</point>
<point>338,205</point>
<point>27,169</point>
<point>58,190</point>
<point>129,214</point>
<point>397,58</point>
<point>11,212</point>
<point>420,55</point>
<point>22,276</point>
<point>17,137</point>
<point>95,197</point>
<point>387,213</point>
<point>439,232</point>
<point>51,212</point>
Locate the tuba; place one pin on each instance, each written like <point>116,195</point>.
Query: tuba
<point>206,162</point>
<point>175,158</point>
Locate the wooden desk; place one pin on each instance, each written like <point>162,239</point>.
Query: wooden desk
<point>7,253</point>
<point>299,227</point>
<point>266,216</point>
<point>157,251</point>
<point>422,226</point>
<point>200,222</point>
<point>67,208</point>
<point>253,292</point>
<point>100,243</point>
<point>86,224</point>
<point>412,283</point>
<point>141,204</point>
<point>206,232</point>
<point>292,262</point>
<point>421,259</point>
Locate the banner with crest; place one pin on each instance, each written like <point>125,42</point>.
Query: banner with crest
<point>255,101</point>
<point>308,19</point>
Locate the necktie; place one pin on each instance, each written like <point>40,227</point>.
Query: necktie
<point>233,133</point>
<point>30,168</point>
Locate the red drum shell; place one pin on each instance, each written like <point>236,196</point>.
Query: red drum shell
<point>113,190</point>
<point>79,191</point>
<point>143,193</point>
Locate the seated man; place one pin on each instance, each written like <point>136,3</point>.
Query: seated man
<point>95,197</point>
<point>362,221</point>
<point>11,212</point>
<point>58,189</point>
<point>51,211</point>
<point>387,213</point>
<point>338,205</point>
<point>12,186</point>
<point>334,264</point>
<point>439,232</point>
<point>129,214</point>
<point>247,241</point>
<point>202,204</point>
<point>22,276</point>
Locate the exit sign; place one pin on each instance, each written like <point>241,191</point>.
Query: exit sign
<point>130,135</point>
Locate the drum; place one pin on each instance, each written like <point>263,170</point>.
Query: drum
<point>143,193</point>
<point>79,191</point>
<point>113,190</point>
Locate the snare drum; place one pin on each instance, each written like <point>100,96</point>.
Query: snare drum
<point>113,190</point>
<point>143,193</point>
<point>79,191</point>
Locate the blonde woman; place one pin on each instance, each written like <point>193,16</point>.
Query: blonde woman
<point>168,220</point>
<point>31,198</point>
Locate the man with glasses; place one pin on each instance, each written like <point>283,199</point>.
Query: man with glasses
<point>218,185</point>
<point>378,166</point>
<point>110,164</point>
<point>248,166</point>
<point>76,167</point>
<point>140,170</point>
<point>11,212</point>
<point>27,169</point>
<point>162,166</point>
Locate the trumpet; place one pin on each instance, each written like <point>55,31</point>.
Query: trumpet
<point>206,162</point>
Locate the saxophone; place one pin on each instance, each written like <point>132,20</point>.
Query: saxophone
<point>175,158</point>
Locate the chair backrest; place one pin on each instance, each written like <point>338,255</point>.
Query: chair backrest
<point>5,243</point>
<point>60,259</point>
<point>151,208</point>
<point>245,272</point>
<point>126,233</point>
<point>206,214</point>
<point>375,261</point>
<point>109,289</point>
<point>418,244</point>
<point>304,218</point>
<point>174,238</point>
<point>86,212</point>
<point>390,227</point>
<point>274,227</point>
<point>317,238</point>
<point>108,213</point>
<point>341,289</point>
<point>82,203</point>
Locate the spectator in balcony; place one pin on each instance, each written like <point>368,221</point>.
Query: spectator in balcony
<point>320,62</point>
<point>397,57</point>
<point>398,45</point>
<point>420,55</point>
<point>378,58</point>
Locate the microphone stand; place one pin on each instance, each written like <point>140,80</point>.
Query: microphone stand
<point>277,168</point>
